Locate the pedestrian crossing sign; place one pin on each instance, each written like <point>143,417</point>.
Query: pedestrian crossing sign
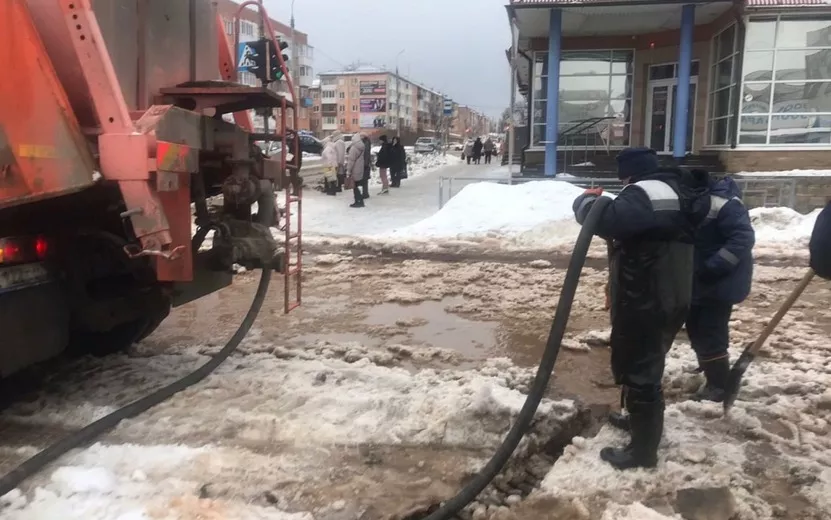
<point>247,58</point>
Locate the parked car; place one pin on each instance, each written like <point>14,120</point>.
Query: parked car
<point>427,145</point>
<point>459,146</point>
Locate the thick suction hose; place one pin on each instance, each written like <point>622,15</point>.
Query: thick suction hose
<point>31,466</point>
<point>552,348</point>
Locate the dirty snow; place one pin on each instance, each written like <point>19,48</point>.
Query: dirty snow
<point>787,173</point>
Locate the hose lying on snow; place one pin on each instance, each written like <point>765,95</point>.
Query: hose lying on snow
<point>31,466</point>
<point>552,348</point>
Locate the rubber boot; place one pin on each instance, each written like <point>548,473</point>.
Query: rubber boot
<point>341,180</point>
<point>646,420</point>
<point>331,188</point>
<point>717,373</point>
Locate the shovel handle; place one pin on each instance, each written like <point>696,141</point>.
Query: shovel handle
<point>786,306</point>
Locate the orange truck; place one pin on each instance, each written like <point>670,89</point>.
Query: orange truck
<point>117,157</point>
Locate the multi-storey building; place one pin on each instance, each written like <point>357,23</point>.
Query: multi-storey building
<point>301,53</point>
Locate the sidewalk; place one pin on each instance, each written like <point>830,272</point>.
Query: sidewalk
<point>415,200</point>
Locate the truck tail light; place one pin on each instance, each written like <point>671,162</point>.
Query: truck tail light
<point>21,250</point>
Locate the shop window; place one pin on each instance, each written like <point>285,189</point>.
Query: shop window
<point>786,89</point>
<point>594,84</point>
<point>723,87</point>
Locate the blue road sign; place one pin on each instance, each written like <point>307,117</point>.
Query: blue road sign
<point>448,107</point>
<point>245,57</point>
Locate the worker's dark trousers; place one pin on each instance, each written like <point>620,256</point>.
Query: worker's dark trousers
<point>708,326</point>
<point>640,342</point>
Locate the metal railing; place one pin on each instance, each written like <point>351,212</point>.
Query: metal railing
<point>756,192</point>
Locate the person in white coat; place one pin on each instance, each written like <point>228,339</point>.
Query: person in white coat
<point>340,148</point>
<point>355,164</point>
<point>329,158</point>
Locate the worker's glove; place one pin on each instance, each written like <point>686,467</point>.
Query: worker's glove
<point>594,191</point>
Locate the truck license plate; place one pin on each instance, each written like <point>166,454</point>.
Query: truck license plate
<point>19,276</point>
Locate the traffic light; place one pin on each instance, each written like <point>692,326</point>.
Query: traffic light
<point>276,71</point>
<point>263,60</point>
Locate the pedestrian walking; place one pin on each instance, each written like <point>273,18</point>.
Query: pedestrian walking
<point>367,165</point>
<point>723,276</point>
<point>651,224</point>
<point>329,160</point>
<point>398,163</point>
<point>489,148</point>
<point>340,148</point>
<point>355,167</point>
<point>467,153</point>
<point>383,162</point>
<point>477,150</point>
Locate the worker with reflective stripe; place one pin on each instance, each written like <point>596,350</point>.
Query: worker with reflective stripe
<point>723,275</point>
<point>651,225</point>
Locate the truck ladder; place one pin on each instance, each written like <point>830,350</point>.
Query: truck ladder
<point>292,184</point>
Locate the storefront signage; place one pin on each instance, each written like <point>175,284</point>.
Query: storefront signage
<point>788,114</point>
<point>369,88</point>
<point>374,105</point>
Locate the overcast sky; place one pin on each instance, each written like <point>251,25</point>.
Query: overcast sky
<point>455,46</point>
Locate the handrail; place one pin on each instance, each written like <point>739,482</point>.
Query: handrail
<point>583,125</point>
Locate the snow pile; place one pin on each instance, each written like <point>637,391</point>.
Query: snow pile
<point>782,231</point>
<point>533,214</point>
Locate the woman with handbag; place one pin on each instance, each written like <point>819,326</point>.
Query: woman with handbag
<point>398,162</point>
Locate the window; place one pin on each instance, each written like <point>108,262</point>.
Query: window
<point>329,81</point>
<point>354,93</point>
<point>786,82</point>
<point>341,95</point>
<point>248,28</point>
<point>342,121</point>
<point>341,81</point>
<point>354,120</point>
<point>329,121</point>
<point>341,108</point>
<point>354,81</point>
<point>724,49</point>
<point>317,109</point>
<point>229,27</point>
<point>593,84</point>
<point>354,108</point>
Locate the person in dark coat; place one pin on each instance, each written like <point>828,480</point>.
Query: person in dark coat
<point>820,244</point>
<point>477,150</point>
<point>367,166</point>
<point>651,224</point>
<point>398,163</point>
<point>383,162</point>
<point>723,276</point>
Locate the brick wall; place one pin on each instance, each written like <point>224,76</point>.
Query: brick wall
<point>805,193</point>
<point>774,160</point>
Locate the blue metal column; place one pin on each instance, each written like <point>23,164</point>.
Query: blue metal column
<point>682,95</point>
<point>552,113</point>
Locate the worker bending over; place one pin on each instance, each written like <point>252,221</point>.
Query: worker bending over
<point>651,224</point>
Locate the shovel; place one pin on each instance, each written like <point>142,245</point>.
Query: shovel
<point>737,372</point>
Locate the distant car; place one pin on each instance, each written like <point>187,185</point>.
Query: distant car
<point>459,147</point>
<point>427,145</point>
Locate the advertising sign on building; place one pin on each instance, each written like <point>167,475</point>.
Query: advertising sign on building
<point>372,121</point>
<point>369,88</point>
<point>374,105</point>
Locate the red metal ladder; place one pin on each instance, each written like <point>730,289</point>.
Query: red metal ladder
<point>292,246</point>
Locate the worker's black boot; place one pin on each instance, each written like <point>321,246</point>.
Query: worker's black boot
<point>717,372</point>
<point>646,420</point>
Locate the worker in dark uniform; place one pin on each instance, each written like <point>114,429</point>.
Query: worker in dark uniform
<point>723,276</point>
<point>820,244</point>
<point>651,225</point>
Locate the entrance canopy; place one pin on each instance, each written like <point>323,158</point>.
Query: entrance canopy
<point>609,18</point>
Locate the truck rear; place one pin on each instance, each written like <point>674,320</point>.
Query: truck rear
<point>112,145</point>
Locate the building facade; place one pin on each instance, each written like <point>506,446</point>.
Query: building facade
<point>469,123</point>
<point>301,54</point>
<point>748,81</point>
<point>375,101</point>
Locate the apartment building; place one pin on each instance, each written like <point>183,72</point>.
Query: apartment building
<point>468,122</point>
<point>301,53</point>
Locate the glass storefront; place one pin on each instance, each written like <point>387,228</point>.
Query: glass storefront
<point>593,84</point>
<point>786,82</point>
<point>723,87</point>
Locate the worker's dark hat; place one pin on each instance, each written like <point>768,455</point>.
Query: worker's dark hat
<point>636,161</point>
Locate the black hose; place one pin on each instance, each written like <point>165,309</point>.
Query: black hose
<point>31,466</point>
<point>552,348</point>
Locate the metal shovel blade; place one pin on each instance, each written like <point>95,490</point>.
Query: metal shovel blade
<point>734,381</point>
